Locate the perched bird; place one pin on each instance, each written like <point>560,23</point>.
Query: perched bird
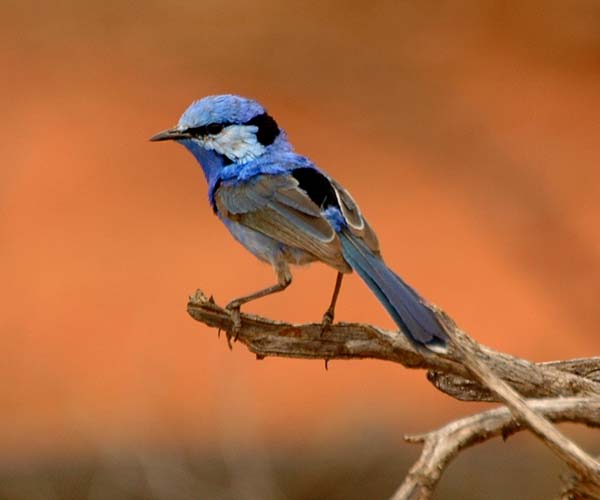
<point>285,210</point>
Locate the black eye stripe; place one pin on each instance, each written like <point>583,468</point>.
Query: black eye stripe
<point>268,130</point>
<point>214,128</point>
<point>209,129</point>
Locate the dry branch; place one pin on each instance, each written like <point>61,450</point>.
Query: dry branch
<point>468,371</point>
<point>584,465</point>
<point>442,445</point>
<point>266,337</point>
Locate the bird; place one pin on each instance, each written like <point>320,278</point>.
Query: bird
<point>287,211</point>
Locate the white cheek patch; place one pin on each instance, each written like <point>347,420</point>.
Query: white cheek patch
<point>237,142</point>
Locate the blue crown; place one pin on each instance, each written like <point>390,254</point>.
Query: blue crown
<point>227,108</point>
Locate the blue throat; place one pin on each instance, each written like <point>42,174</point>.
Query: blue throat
<point>212,163</point>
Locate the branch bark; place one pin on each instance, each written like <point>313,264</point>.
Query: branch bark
<point>583,464</point>
<point>467,371</point>
<point>442,445</point>
<point>265,337</point>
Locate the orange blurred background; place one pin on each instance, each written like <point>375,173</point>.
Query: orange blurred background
<point>468,134</point>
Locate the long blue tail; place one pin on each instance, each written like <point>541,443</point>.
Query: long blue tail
<point>402,303</point>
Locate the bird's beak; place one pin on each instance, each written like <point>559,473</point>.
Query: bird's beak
<point>170,135</point>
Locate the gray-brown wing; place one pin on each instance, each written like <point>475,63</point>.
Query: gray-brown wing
<point>273,205</point>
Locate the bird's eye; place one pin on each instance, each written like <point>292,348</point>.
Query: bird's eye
<point>214,128</point>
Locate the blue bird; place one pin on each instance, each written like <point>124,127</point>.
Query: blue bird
<point>285,210</point>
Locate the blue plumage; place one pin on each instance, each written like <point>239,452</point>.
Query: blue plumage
<point>403,304</point>
<point>285,210</point>
<point>220,109</point>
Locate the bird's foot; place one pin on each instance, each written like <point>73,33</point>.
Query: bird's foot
<point>236,321</point>
<point>327,321</point>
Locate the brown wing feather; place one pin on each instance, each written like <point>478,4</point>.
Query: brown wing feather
<point>284,213</point>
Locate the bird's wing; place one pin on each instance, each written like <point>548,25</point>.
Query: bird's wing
<point>357,224</point>
<point>275,205</point>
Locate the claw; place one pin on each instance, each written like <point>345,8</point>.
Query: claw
<point>227,336</point>
<point>236,320</point>
<point>326,322</point>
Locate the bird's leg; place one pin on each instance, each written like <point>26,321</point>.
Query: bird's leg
<point>329,314</point>
<point>284,279</point>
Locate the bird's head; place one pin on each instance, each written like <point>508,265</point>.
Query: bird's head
<point>226,129</point>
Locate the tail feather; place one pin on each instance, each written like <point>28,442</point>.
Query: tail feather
<point>403,304</point>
